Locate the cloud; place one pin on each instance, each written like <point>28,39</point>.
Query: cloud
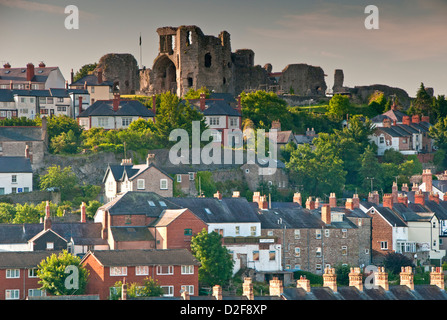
<point>42,7</point>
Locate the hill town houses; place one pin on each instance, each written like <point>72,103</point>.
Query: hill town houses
<point>143,229</point>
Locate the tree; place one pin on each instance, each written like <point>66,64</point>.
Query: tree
<point>7,212</point>
<point>263,108</point>
<point>62,274</point>
<point>370,169</point>
<point>195,94</point>
<point>439,134</point>
<point>338,106</point>
<point>65,143</point>
<point>422,104</point>
<point>150,288</point>
<point>62,179</point>
<point>394,261</point>
<point>26,213</point>
<point>216,262</point>
<point>84,71</point>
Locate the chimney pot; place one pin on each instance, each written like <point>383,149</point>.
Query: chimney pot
<point>116,102</point>
<point>29,72</point>
<point>332,200</point>
<point>83,213</point>
<point>326,213</point>
<point>310,204</point>
<point>236,194</point>
<point>276,287</point>
<point>356,278</point>
<point>247,288</point>
<point>218,195</point>
<point>330,279</point>
<point>217,292</point>
<point>202,102</point>
<point>297,198</point>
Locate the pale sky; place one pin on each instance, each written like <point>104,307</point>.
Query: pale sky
<point>409,47</point>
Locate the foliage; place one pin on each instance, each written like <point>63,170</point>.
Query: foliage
<point>92,207</point>
<point>205,183</point>
<point>63,179</point>
<point>422,104</point>
<point>215,259</point>
<point>338,106</point>
<point>26,213</point>
<point>393,262</point>
<point>51,273</point>
<point>342,272</point>
<point>22,121</point>
<point>149,288</point>
<point>84,71</point>
<point>7,212</point>
<point>316,280</point>
<point>65,143</point>
<point>439,133</point>
<point>195,94</point>
<point>377,102</point>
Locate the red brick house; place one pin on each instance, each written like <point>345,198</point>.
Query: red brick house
<point>18,274</point>
<point>174,270</point>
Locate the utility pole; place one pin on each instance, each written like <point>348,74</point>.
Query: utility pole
<point>371,178</point>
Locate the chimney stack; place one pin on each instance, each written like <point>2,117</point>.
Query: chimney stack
<point>276,124</point>
<point>381,278</point>
<point>330,279</point>
<point>304,283</point>
<point>402,198</point>
<point>71,76</point>
<point>27,151</point>
<point>263,203</point>
<point>356,279</point>
<point>394,191</point>
<point>150,159</point>
<point>310,204</point>
<point>388,200</point>
<point>326,213</point>
<point>256,196</point>
<point>41,64</point>
<point>419,197</point>
<point>247,289</point>
<point>7,65</point>
<point>80,105</point>
<point>83,213</point>
<point>276,287</point>
<point>434,197</point>
<point>154,104</point>
<point>425,119</point>
<point>29,72</point>
<point>297,198</point>
<point>407,277</point>
<point>239,105</point>
<point>415,119</point>
<point>349,204</point>
<point>373,197</point>
<point>415,187</point>
<point>317,202</point>
<point>47,219</point>
<point>332,200</point>
<point>116,102</point>
<point>236,194</point>
<point>406,120</point>
<point>105,225</point>
<point>217,292</point>
<point>437,277</point>
<point>202,102</point>
<point>404,187</point>
<point>100,76</point>
<point>427,179</point>
<point>355,200</point>
<point>218,195</point>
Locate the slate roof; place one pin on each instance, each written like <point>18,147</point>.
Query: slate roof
<point>92,80</point>
<point>167,216</point>
<point>282,137</point>
<point>7,95</point>
<point>219,108</point>
<point>20,134</point>
<point>139,203</point>
<point>23,259</point>
<point>119,172</point>
<point>212,210</point>
<point>81,233</point>
<point>441,185</point>
<point>134,233</point>
<point>390,114</point>
<point>292,218</point>
<point>143,257</point>
<point>103,108</point>
<point>403,130</point>
<point>15,165</point>
<point>19,74</point>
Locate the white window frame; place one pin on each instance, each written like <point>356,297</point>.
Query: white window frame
<point>187,269</point>
<point>35,293</point>
<point>161,270</point>
<point>169,289</point>
<point>32,273</point>
<point>142,270</point>
<point>163,181</point>
<point>118,271</point>
<point>140,184</point>
<point>12,294</point>
<point>344,250</point>
<point>50,246</point>
<point>317,234</point>
<point>318,252</point>
<point>188,288</point>
<point>384,245</point>
<point>12,273</point>
<point>179,178</point>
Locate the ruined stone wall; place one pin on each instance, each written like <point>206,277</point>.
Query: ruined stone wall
<point>361,94</point>
<point>303,79</point>
<point>121,69</point>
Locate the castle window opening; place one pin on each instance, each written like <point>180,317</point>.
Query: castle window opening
<point>190,82</point>
<point>188,38</point>
<point>208,60</point>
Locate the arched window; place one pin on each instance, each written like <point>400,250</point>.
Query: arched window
<point>208,60</point>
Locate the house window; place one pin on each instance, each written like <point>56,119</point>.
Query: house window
<point>142,270</point>
<point>187,232</point>
<point>318,268</point>
<point>14,178</point>
<point>318,252</point>
<point>344,250</point>
<point>216,136</point>
<point>344,233</point>
<point>191,176</point>
<point>179,178</point>
<point>12,294</point>
<point>26,189</point>
<point>163,184</point>
<point>297,234</point>
<point>92,89</point>
<point>103,122</point>
<point>2,191</point>
<point>214,121</point>
<point>32,273</point>
<point>270,233</point>
<point>12,273</point>
<point>60,99</point>
<point>43,111</point>
<point>326,233</point>
<point>381,140</point>
<point>188,288</point>
<point>118,271</point>
<point>237,230</point>
<point>49,100</point>
<point>187,269</point>
<point>62,109</point>
<point>50,245</point>
<point>253,230</point>
<point>168,291</point>
<point>128,219</point>
<point>255,255</point>
<point>272,255</point>
<point>384,245</point>
<point>126,121</point>
<point>318,234</point>
<point>165,270</point>
<point>140,184</point>
<point>297,251</point>
<point>35,293</point>
<point>234,122</point>
<point>14,190</point>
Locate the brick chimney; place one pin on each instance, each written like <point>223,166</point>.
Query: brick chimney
<point>29,72</point>
<point>332,200</point>
<point>406,120</point>
<point>356,278</point>
<point>427,179</point>
<point>150,159</point>
<point>256,196</point>
<point>116,102</point>
<point>7,65</point>
<point>349,204</point>
<point>310,204</point>
<point>218,195</point>
<point>217,292</point>
<point>415,187</point>
<point>236,194</point>
<point>202,102</point>
<point>275,287</point>
<point>330,279</point>
<point>407,277</point>
<point>247,289</point>
<point>47,219</point>
<point>415,119</point>
<point>394,191</point>
<point>276,124</point>
<point>27,151</point>
<point>373,197</point>
<point>71,76</point>
<point>434,197</point>
<point>356,200</point>
<point>419,197</point>
<point>437,277</point>
<point>105,225</point>
<point>83,213</point>
<point>381,278</point>
<point>100,76</point>
<point>388,200</point>
<point>154,104</point>
<point>263,203</point>
<point>303,283</point>
<point>317,202</point>
<point>445,196</point>
<point>425,119</point>
<point>405,187</point>
<point>326,213</point>
<point>66,84</point>
<point>386,123</point>
<point>41,64</point>
<point>402,198</point>
<point>80,104</point>
<point>239,104</point>
<point>297,198</point>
